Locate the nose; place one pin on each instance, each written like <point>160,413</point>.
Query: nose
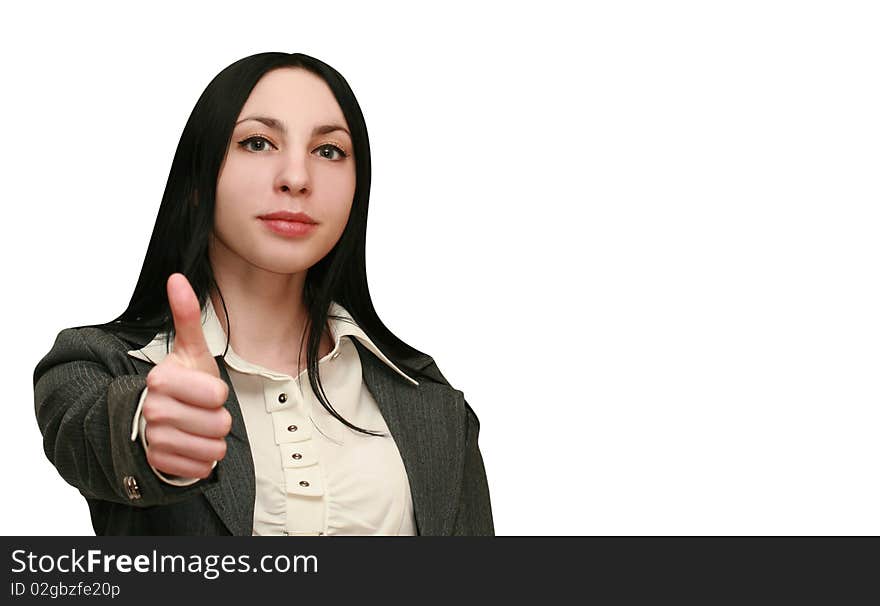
<point>293,175</point>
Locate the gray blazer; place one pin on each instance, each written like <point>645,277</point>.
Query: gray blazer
<point>86,390</point>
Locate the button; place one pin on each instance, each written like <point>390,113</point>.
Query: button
<point>131,488</point>
<point>306,482</point>
<point>291,426</point>
<point>299,455</point>
<point>282,398</point>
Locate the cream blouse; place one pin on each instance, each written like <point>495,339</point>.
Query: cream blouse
<point>314,475</point>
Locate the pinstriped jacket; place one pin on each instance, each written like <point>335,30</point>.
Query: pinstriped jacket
<point>86,391</point>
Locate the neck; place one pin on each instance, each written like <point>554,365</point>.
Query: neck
<point>267,313</point>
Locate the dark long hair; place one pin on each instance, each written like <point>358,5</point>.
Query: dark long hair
<point>186,216</point>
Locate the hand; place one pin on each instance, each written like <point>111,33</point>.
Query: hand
<point>187,423</point>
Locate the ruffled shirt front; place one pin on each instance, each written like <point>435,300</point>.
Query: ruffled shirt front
<point>314,475</point>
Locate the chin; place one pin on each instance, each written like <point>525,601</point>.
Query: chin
<point>278,265</point>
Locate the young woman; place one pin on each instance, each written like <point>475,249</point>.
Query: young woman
<point>250,386</point>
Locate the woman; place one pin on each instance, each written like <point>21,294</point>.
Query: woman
<point>190,413</point>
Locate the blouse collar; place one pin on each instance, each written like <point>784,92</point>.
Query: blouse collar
<point>341,325</point>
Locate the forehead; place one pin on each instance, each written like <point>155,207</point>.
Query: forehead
<point>296,96</point>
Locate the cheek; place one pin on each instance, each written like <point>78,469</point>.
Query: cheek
<point>235,197</point>
<point>236,182</point>
<point>339,203</point>
<point>340,190</point>
<point>225,208</point>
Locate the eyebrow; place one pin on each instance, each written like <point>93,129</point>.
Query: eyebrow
<point>278,125</point>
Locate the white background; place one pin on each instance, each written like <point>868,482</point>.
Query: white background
<point>641,237</point>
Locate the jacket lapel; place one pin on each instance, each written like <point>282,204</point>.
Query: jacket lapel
<point>233,496</point>
<point>427,423</point>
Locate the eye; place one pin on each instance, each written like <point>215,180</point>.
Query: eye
<point>325,151</point>
<point>328,149</point>
<point>247,142</point>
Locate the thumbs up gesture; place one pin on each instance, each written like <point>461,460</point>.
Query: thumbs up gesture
<point>186,422</point>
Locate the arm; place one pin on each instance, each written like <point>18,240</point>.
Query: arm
<point>86,391</point>
<point>474,515</point>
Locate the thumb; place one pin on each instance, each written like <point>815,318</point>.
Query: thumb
<point>189,338</point>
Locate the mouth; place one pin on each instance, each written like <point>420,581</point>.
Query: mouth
<point>288,228</point>
<point>290,216</point>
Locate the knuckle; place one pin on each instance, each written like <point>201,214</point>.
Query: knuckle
<point>221,450</point>
<point>156,438</point>
<point>224,421</point>
<point>222,392</point>
<point>150,435</point>
<point>154,411</point>
<point>155,459</point>
<point>149,410</point>
<point>156,378</point>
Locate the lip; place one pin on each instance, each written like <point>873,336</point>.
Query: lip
<point>289,224</point>
<point>286,215</point>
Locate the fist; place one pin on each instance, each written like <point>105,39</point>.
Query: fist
<point>186,422</point>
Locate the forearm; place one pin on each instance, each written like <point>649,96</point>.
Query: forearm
<point>85,410</point>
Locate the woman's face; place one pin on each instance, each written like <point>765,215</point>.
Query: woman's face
<point>298,162</point>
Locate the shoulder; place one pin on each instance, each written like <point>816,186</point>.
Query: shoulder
<point>427,366</point>
<point>92,344</point>
<point>99,338</point>
<point>431,370</point>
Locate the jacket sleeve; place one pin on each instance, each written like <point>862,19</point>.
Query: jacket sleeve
<point>474,515</point>
<point>86,392</point>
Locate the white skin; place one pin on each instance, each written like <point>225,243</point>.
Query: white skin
<point>261,274</point>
